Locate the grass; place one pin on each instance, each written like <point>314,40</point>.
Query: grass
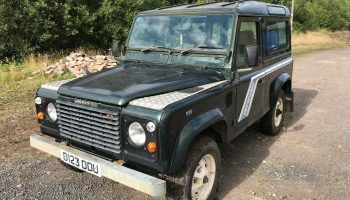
<point>33,68</point>
<point>18,82</point>
<point>320,40</point>
<point>16,72</point>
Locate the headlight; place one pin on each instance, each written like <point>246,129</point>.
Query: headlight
<point>51,111</point>
<point>137,135</point>
<point>151,127</point>
<point>38,100</point>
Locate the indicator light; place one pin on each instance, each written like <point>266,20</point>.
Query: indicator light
<point>40,115</point>
<point>152,147</point>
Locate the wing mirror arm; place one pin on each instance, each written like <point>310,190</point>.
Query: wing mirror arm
<point>234,76</point>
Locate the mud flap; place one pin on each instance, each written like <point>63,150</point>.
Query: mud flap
<point>290,102</point>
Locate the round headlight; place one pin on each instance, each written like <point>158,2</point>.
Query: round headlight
<point>151,127</point>
<point>38,100</point>
<point>137,135</point>
<point>51,111</point>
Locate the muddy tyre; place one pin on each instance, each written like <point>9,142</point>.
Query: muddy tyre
<point>201,170</point>
<point>272,122</point>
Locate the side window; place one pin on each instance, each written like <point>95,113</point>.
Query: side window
<point>276,36</point>
<point>247,38</point>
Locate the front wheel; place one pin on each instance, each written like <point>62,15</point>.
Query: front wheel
<point>201,171</point>
<point>272,122</point>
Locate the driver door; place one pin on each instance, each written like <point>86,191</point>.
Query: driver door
<point>250,87</point>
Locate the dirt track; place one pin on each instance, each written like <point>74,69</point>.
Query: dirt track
<point>309,160</point>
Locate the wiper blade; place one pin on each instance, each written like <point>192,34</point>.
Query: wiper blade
<point>186,51</point>
<point>154,48</point>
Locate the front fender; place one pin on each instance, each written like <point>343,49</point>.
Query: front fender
<point>190,131</point>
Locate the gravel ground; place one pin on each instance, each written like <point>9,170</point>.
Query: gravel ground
<point>309,160</point>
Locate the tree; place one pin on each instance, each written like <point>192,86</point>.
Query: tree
<point>36,26</point>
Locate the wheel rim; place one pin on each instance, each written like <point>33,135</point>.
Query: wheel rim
<point>203,178</point>
<point>278,112</point>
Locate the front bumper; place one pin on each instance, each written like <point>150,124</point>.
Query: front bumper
<point>126,176</point>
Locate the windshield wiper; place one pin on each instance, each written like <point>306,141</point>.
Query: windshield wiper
<point>154,48</point>
<point>186,51</point>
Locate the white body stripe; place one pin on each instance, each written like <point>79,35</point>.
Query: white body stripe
<point>159,102</point>
<point>55,85</point>
<point>253,84</point>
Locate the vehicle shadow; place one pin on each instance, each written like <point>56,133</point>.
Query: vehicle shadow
<point>243,155</point>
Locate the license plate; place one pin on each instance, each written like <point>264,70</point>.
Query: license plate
<point>80,163</point>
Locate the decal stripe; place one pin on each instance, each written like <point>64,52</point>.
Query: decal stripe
<point>159,102</point>
<point>55,85</point>
<point>253,84</point>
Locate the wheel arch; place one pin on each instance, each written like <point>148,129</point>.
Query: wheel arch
<point>282,82</point>
<point>211,123</point>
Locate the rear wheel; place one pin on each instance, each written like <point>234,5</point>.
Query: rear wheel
<point>201,171</point>
<point>272,122</point>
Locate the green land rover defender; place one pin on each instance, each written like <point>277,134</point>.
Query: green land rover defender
<point>191,76</point>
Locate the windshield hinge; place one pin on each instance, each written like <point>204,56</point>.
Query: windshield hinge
<point>228,57</point>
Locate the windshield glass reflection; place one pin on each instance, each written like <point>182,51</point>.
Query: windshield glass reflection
<point>182,32</point>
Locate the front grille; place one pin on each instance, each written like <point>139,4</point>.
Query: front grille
<point>88,125</point>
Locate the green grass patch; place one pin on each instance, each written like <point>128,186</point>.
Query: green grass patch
<point>19,81</point>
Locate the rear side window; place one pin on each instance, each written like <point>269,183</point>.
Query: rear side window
<point>276,36</point>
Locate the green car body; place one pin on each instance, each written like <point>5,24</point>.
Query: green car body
<point>181,94</point>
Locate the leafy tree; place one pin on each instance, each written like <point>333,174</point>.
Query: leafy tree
<point>12,42</point>
<point>35,26</point>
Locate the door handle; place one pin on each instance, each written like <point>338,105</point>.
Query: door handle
<point>260,82</point>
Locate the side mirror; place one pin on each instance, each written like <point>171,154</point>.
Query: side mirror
<point>115,49</point>
<point>251,55</point>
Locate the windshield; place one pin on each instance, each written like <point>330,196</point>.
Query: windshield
<point>182,32</point>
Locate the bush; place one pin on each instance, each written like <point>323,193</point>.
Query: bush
<point>38,26</point>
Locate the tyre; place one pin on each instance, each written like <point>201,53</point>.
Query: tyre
<point>272,122</point>
<point>201,170</point>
